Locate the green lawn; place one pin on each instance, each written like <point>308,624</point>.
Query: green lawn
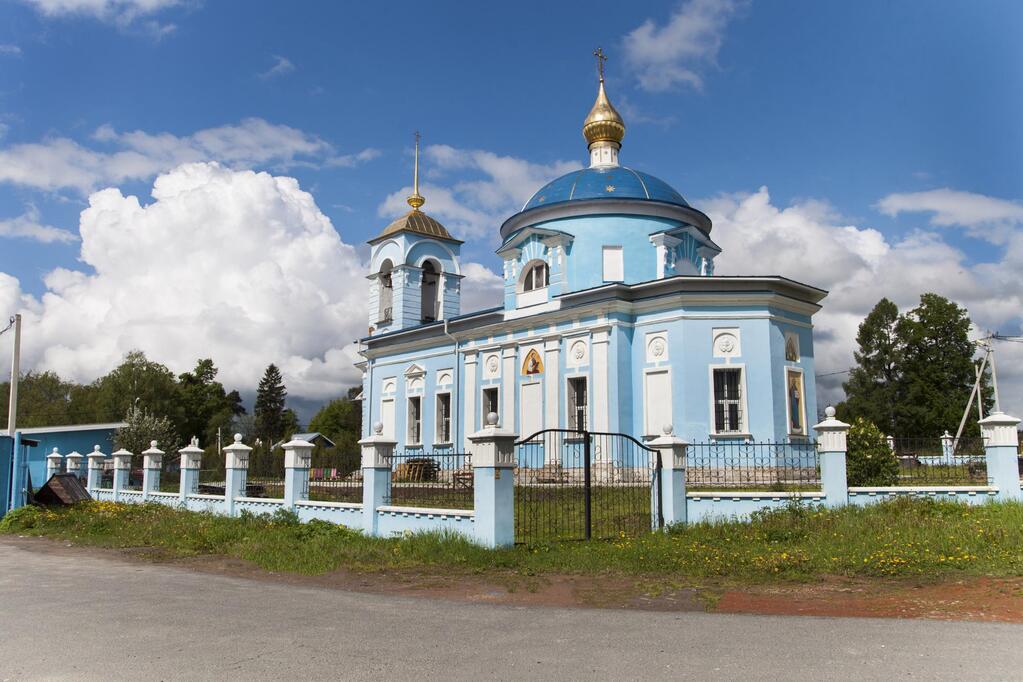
<point>899,538</point>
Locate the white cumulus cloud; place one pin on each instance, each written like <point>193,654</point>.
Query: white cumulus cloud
<point>675,54</point>
<point>949,207</point>
<point>28,226</point>
<point>282,66</point>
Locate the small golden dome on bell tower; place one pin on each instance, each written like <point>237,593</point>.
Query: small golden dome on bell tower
<point>604,123</point>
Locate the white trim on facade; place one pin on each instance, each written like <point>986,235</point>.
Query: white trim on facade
<point>744,420</point>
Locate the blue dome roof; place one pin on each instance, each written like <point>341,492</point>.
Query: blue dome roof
<point>614,182</point>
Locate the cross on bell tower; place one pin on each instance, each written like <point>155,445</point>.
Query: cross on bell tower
<point>601,58</point>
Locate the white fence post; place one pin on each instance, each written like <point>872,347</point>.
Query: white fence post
<point>376,475</point>
<point>73,464</point>
<point>673,477</point>
<point>236,468</point>
<point>1001,450</point>
<point>54,463</point>
<point>191,462</point>
<point>831,439</point>
<point>97,461</point>
<point>152,462</point>
<point>298,455</point>
<point>122,469</point>
<point>493,468</point>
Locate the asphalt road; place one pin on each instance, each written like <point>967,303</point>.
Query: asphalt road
<point>97,618</point>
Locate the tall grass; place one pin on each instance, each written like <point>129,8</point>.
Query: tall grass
<point>899,538</point>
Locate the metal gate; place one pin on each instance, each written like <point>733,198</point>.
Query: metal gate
<point>582,485</point>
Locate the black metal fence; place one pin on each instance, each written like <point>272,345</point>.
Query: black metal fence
<point>940,461</point>
<point>750,466</point>
<point>572,485</point>
<point>170,474</point>
<point>335,477</point>
<point>439,480</point>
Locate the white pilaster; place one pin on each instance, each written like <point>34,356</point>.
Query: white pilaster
<point>599,358</point>
<point>508,375</point>
<point>469,421</point>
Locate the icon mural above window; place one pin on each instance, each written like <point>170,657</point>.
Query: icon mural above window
<point>791,347</point>
<point>532,364</point>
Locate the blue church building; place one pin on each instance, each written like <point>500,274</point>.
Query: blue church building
<point>613,320</point>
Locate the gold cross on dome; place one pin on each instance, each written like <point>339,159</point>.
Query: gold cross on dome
<point>601,58</point>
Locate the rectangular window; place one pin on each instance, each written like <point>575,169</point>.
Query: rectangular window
<point>415,421</point>
<point>728,417</point>
<point>577,403</point>
<point>443,418</point>
<point>614,264</point>
<point>490,403</point>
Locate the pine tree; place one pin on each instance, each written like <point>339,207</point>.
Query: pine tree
<point>270,405</point>
<point>872,388</point>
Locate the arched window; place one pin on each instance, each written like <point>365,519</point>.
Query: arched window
<point>429,303</point>
<point>536,276</point>
<point>385,312</point>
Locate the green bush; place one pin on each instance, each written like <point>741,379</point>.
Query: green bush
<point>869,460</point>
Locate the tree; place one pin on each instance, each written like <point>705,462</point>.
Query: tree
<point>341,421</point>
<point>140,382</point>
<point>270,405</point>
<point>43,400</point>
<point>207,406</point>
<point>872,388</point>
<point>869,460</point>
<point>937,369</point>
<point>143,428</point>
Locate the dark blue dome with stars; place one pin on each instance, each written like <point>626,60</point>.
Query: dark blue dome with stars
<point>613,182</point>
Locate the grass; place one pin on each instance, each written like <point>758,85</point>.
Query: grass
<point>903,537</point>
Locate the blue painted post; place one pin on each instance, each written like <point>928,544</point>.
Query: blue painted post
<point>1001,449</point>
<point>122,468</point>
<point>298,454</point>
<point>673,479</point>
<point>18,477</point>
<point>152,462</point>
<point>493,467</point>
<point>236,469</point>
<point>54,463</point>
<point>376,476</point>
<point>97,461</point>
<point>831,444</point>
<point>73,464</point>
<point>191,462</point>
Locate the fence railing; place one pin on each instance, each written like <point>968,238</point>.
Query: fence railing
<point>751,466</point>
<point>335,477</point>
<point>940,461</point>
<point>439,480</point>
<point>170,473</point>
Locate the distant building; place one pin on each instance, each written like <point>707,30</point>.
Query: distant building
<point>613,320</point>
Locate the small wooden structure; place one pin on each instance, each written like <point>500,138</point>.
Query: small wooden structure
<point>62,489</point>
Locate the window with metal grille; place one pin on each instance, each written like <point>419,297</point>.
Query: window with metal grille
<point>537,277</point>
<point>443,418</point>
<point>728,401</point>
<point>577,403</point>
<point>490,403</point>
<point>415,420</point>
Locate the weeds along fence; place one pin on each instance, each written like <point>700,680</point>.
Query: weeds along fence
<point>335,476</point>
<point>437,480</point>
<point>751,466</point>
<point>940,461</point>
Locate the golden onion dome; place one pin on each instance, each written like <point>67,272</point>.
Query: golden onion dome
<point>604,123</point>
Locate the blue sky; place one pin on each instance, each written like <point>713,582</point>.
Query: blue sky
<point>898,121</point>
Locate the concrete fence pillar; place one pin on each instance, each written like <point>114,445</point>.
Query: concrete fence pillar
<point>673,477</point>
<point>1001,450</point>
<point>376,475</point>
<point>298,455</point>
<point>73,464</point>
<point>97,461</point>
<point>122,469</point>
<point>493,467</point>
<point>54,463</point>
<point>191,462</point>
<point>152,462</point>
<point>236,470</point>
<point>947,449</point>
<point>831,444</point>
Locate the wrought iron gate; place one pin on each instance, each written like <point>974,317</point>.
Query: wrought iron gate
<point>582,485</point>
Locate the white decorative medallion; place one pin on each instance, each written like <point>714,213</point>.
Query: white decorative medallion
<point>657,347</point>
<point>492,366</point>
<point>726,343</point>
<point>578,353</point>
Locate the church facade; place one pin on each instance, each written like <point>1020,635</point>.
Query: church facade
<point>613,320</point>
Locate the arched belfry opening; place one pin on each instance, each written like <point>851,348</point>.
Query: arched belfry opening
<point>385,311</point>
<point>430,301</point>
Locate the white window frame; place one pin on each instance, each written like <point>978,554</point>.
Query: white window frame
<point>619,263</point>
<point>744,422</point>
<point>439,422</point>
<point>568,401</point>
<point>534,295</point>
<point>484,410</point>
<point>646,420</point>
<point>410,424</point>
<point>788,407</point>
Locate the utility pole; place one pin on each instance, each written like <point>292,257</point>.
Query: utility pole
<point>12,413</point>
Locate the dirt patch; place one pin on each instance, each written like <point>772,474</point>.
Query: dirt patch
<point>976,599</point>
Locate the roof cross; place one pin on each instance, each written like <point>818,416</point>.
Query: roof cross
<point>601,58</point>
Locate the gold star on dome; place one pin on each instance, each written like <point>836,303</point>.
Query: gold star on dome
<point>609,188</point>
<point>541,200</point>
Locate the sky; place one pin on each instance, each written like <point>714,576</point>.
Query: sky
<point>200,178</point>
